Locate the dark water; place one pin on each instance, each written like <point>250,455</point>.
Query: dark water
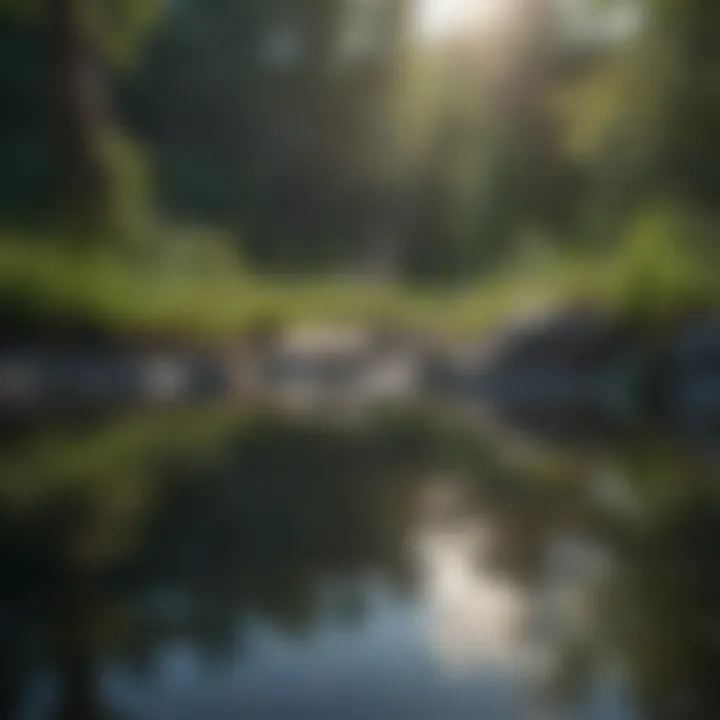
<point>223,564</point>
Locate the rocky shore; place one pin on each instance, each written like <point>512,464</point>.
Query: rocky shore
<point>558,363</point>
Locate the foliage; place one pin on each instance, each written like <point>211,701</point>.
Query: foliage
<point>330,137</point>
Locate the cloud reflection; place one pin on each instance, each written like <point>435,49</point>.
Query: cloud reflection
<point>474,616</point>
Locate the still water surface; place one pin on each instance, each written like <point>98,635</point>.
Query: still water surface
<point>216,564</point>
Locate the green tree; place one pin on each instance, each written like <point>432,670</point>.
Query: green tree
<point>76,45</point>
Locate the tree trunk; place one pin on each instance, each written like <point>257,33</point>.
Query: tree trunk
<point>79,115</point>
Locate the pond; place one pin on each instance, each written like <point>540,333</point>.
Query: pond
<point>219,563</point>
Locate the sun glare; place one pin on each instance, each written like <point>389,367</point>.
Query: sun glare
<point>440,18</point>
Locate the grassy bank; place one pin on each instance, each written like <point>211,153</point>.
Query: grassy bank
<point>49,287</point>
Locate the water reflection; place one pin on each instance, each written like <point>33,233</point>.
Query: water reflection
<point>228,565</point>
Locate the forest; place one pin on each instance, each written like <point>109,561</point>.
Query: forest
<point>359,359</point>
<point>214,164</point>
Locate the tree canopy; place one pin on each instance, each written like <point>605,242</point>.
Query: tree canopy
<point>333,133</point>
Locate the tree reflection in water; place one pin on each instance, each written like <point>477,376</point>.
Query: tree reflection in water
<point>293,522</point>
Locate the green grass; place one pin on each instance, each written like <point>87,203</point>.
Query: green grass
<point>48,284</point>
<point>45,285</point>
